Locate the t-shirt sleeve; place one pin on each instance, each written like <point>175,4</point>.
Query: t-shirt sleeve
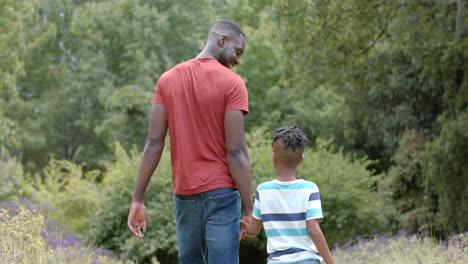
<point>257,214</point>
<point>314,206</point>
<point>158,91</point>
<point>236,96</point>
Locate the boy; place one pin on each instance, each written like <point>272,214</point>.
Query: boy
<point>288,207</point>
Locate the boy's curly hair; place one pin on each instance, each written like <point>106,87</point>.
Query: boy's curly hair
<point>292,136</point>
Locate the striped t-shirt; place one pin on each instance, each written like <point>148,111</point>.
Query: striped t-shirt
<point>284,207</point>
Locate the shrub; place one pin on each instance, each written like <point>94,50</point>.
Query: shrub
<point>15,184</point>
<point>66,186</point>
<point>28,237</point>
<point>351,204</point>
<point>445,169</point>
<point>109,220</point>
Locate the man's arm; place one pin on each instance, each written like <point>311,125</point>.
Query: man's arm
<point>238,158</point>
<point>315,233</point>
<point>152,154</point>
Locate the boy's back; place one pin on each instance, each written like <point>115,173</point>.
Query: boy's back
<point>284,207</point>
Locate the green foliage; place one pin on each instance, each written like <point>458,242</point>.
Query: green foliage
<point>11,66</point>
<point>109,220</point>
<point>444,163</point>
<point>26,238</point>
<point>66,186</point>
<point>427,181</point>
<point>259,70</point>
<point>21,241</point>
<point>15,184</point>
<point>405,183</point>
<point>126,105</point>
<point>9,138</point>
<point>351,206</point>
<point>388,73</point>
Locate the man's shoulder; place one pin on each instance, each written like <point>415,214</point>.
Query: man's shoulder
<point>211,65</point>
<point>178,67</point>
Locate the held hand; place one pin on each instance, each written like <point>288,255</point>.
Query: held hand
<point>244,223</point>
<point>137,219</point>
<point>246,235</point>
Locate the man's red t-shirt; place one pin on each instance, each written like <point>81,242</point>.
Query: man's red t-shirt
<point>196,94</point>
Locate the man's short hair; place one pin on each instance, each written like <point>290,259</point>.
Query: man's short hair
<point>293,143</point>
<point>228,28</point>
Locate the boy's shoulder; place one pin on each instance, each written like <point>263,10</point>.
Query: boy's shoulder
<point>298,184</point>
<point>266,185</point>
<point>310,184</point>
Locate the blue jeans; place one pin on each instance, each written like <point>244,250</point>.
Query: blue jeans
<point>207,226</point>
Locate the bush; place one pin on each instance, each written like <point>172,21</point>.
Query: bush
<point>66,186</point>
<point>445,169</point>
<point>351,204</point>
<point>15,184</point>
<point>28,237</point>
<point>109,220</point>
<point>405,184</point>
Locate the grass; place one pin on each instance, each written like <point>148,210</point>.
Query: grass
<point>27,237</point>
<point>405,249</point>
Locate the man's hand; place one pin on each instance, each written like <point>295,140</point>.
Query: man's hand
<point>244,223</point>
<point>137,219</point>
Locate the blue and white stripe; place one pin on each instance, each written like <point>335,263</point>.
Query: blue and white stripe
<point>284,208</point>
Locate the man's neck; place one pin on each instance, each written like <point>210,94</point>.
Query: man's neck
<point>206,53</point>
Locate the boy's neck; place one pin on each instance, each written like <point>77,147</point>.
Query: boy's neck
<point>285,174</point>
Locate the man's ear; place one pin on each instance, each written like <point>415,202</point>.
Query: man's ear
<point>301,160</point>
<point>222,41</point>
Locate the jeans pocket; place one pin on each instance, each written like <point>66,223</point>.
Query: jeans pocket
<point>225,208</point>
<point>186,213</point>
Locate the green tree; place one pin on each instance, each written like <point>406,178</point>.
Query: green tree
<point>380,66</point>
<point>406,185</point>
<point>444,163</point>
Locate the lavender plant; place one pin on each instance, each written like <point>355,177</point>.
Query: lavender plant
<point>404,249</point>
<point>26,236</point>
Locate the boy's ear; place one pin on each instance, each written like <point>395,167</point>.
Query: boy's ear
<point>301,160</point>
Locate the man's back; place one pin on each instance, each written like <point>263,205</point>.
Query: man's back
<point>196,94</point>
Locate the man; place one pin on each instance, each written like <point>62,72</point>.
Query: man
<point>203,104</point>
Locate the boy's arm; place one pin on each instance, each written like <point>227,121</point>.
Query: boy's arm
<point>252,229</point>
<point>315,233</point>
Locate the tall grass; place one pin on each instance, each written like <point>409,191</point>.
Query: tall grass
<point>405,249</point>
<point>27,237</point>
